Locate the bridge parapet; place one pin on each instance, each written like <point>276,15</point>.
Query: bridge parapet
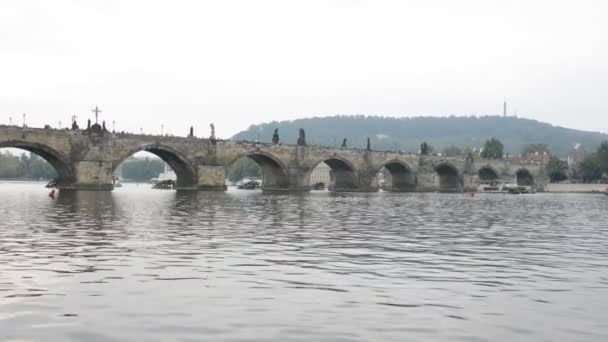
<point>86,160</point>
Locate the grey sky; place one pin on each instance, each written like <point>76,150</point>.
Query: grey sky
<point>236,63</point>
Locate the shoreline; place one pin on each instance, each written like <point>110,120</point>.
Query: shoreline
<point>579,188</point>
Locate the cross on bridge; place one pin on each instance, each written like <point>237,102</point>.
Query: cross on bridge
<point>96,111</point>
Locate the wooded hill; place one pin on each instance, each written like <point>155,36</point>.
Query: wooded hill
<point>407,134</point>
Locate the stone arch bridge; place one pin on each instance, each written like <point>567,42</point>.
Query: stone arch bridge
<point>86,160</point>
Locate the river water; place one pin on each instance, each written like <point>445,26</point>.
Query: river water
<point>151,265</point>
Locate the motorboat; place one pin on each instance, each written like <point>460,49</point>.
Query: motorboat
<point>490,186</point>
<point>167,184</point>
<point>250,185</point>
<point>116,182</point>
<point>498,186</point>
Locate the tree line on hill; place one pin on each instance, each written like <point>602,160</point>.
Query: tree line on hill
<point>27,166</point>
<point>142,170</point>
<point>405,134</point>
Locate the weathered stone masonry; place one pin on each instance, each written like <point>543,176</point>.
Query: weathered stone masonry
<point>86,160</point>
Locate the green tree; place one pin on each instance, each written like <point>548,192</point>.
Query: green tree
<point>142,170</point>
<point>557,169</point>
<point>452,151</point>
<point>533,148</point>
<point>493,149</point>
<point>26,166</point>
<point>602,156</point>
<point>472,151</point>
<point>244,167</point>
<point>589,169</point>
<point>425,149</point>
<point>8,165</point>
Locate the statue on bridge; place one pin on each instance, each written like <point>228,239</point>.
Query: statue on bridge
<point>343,143</point>
<point>212,137</point>
<point>369,144</point>
<point>425,148</point>
<point>275,137</point>
<point>104,126</point>
<point>88,124</point>
<point>191,135</point>
<point>75,126</point>
<point>469,160</point>
<point>302,138</point>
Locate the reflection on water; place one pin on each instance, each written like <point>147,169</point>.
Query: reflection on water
<point>137,264</point>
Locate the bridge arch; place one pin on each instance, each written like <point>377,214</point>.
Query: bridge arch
<point>184,170</point>
<point>66,174</point>
<point>487,173</point>
<point>402,178</point>
<point>274,173</point>
<point>449,177</point>
<point>343,174</point>
<point>524,177</point>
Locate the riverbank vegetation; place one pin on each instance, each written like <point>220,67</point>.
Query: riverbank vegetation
<point>30,166</point>
<point>142,170</point>
<point>27,166</point>
<point>242,168</point>
<point>595,166</point>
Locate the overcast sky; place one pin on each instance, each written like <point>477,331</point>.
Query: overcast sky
<point>236,63</point>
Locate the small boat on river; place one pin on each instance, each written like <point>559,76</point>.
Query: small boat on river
<point>498,186</point>
<point>250,185</point>
<point>167,184</point>
<point>116,182</point>
<point>51,184</point>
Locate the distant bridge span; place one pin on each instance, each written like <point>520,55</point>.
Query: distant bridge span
<point>86,159</point>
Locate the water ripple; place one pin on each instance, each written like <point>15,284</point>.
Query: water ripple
<point>137,264</point>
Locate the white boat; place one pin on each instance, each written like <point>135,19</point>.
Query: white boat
<point>490,186</point>
<point>498,186</point>
<point>116,182</point>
